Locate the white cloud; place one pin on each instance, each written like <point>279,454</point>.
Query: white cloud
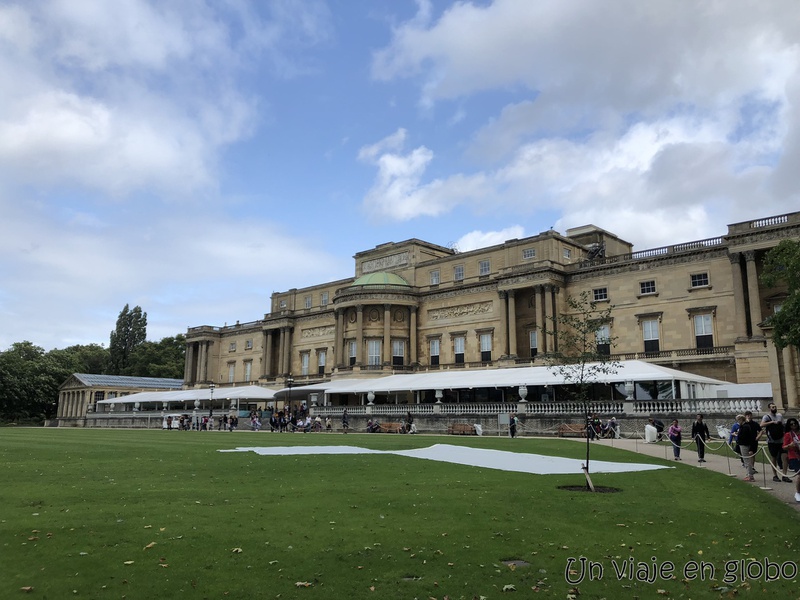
<point>625,113</point>
<point>483,239</point>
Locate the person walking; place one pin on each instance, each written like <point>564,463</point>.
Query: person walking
<point>791,445</point>
<point>512,425</point>
<point>700,435</point>
<point>345,421</point>
<point>674,433</point>
<point>749,434</point>
<point>772,423</point>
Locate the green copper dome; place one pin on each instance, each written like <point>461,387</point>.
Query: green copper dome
<point>381,279</point>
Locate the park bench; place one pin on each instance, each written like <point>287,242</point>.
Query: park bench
<point>571,429</point>
<point>461,429</point>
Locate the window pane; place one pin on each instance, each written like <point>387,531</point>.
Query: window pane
<point>600,294</point>
<point>484,267</point>
<point>699,280</point>
<point>650,329</point>
<point>434,277</point>
<point>458,273</point>
<point>647,287</point>
<point>374,352</point>
<point>458,345</point>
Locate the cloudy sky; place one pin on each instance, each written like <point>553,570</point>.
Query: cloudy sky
<point>193,157</point>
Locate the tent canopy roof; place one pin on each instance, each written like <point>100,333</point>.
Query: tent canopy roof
<point>247,392</point>
<point>632,370</point>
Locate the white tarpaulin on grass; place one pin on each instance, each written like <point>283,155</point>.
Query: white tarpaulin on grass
<point>537,464</point>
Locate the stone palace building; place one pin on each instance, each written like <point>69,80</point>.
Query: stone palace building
<point>414,306</point>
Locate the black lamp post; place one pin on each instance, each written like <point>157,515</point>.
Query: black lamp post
<point>211,387</point>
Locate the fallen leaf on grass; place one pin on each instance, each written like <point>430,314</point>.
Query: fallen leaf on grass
<point>509,588</point>
<point>303,584</point>
<point>150,545</point>
<point>128,562</point>
<point>27,588</point>
<point>236,550</point>
<point>165,565</point>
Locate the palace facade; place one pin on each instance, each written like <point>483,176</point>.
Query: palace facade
<point>414,306</point>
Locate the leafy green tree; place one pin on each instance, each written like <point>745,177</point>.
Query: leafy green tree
<point>131,331</point>
<point>90,358</point>
<point>158,359</point>
<point>782,269</point>
<point>582,357</point>
<point>29,382</point>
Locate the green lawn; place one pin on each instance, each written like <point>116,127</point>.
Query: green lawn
<point>153,514</point>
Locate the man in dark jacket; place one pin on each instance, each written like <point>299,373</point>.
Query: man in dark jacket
<point>700,435</point>
<point>749,433</point>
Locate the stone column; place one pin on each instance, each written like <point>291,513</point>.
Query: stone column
<point>338,341</point>
<point>752,288</point>
<point>387,334</point>
<point>268,353</point>
<point>188,375</point>
<point>359,333</point>
<point>512,323</point>
<point>790,375</point>
<point>203,361</point>
<point>503,330</point>
<point>412,336</point>
<point>549,315</point>
<point>775,377</point>
<point>738,294</point>
<point>288,350</point>
<point>541,320</point>
<point>282,352</point>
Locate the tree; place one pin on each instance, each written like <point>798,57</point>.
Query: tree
<point>130,332</point>
<point>782,269</point>
<point>158,359</point>
<point>581,357</point>
<point>29,382</point>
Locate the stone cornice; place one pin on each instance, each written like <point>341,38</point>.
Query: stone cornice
<point>635,265</point>
<point>461,291</point>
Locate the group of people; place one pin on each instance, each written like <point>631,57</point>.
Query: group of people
<point>782,437</point>
<point>596,429</point>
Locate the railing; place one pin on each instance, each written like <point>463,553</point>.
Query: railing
<point>649,253</point>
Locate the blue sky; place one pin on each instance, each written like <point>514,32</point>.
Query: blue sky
<point>193,157</point>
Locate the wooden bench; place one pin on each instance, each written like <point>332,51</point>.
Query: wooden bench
<point>461,429</point>
<point>571,429</point>
<point>390,427</point>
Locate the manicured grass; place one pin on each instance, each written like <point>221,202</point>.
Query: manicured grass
<point>152,514</point>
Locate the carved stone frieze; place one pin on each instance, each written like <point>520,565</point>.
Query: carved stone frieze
<point>385,262</point>
<point>461,292</point>
<point>464,310</point>
<point>327,330</point>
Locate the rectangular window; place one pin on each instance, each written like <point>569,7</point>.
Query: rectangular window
<point>304,363</point>
<point>307,301</point>
<point>434,353</point>
<point>231,372</point>
<point>602,336</point>
<point>232,347</point>
<point>600,294</point>
<point>458,349</point>
<point>458,273</point>
<point>435,277</point>
<point>533,337</point>
<point>699,280</point>
<point>351,351</point>
<point>282,304</point>
<point>323,299</point>
<point>398,352</point>
<point>528,253</point>
<point>374,352</point>
<point>703,334</point>
<point>248,370</point>
<point>647,287</point>
<point>567,253</point>
<point>486,347</point>
<point>248,344</point>
<point>322,356</point>
<point>650,334</point>
<point>484,267</point>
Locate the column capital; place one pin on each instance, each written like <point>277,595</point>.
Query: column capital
<point>734,257</point>
<point>749,255</point>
